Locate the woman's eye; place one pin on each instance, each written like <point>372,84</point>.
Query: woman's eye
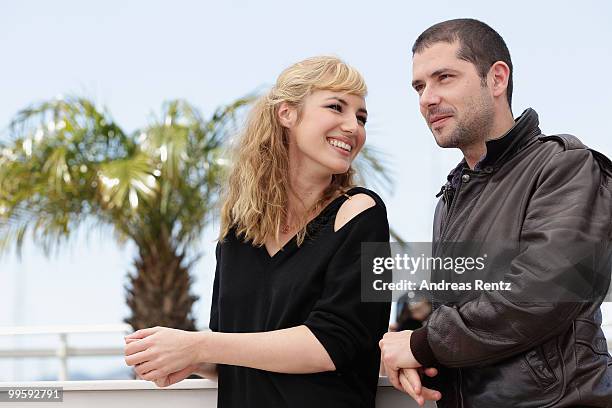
<point>336,106</point>
<point>362,120</point>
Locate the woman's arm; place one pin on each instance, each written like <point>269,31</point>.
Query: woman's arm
<point>293,351</point>
<point>161,351</point>
<point>207,370</point>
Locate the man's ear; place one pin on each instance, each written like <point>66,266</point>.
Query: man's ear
<point>499,74</point>
<point>287,115</point>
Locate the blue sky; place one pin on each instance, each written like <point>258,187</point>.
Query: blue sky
<point>132,56</point>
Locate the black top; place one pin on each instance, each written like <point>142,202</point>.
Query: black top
<point>317,285</point>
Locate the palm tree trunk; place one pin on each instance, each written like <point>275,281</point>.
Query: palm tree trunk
<point>158,293</point>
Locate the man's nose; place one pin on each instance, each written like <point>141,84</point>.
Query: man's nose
<point>429,97</point>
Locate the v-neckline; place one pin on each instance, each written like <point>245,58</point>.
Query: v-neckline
<point>292,239</point>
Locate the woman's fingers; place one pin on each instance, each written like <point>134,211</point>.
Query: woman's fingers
<point>135,347</point>
<point>142,369</point>
<point>142,333</point>
<point>162,382</point>
<point>154,375</point>
<point>180,375</point>
<point>137,358</point>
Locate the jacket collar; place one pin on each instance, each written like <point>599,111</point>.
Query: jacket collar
<point>525,128</point>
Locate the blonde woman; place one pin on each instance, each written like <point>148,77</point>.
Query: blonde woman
<point>288,325</point>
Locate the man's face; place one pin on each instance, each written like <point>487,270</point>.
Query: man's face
<point>456,106</point>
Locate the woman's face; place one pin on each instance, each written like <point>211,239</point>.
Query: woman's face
<point>330,132</point>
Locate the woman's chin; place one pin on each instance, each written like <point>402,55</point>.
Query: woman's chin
<point>335,167</point>
<point>340,169</point>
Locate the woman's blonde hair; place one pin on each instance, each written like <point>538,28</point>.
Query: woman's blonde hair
<point>256,198</point>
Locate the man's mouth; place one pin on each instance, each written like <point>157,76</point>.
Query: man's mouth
<point>437,120</point>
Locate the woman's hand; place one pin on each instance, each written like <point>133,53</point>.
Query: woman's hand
<point>160,352</point>
<point>178,376</point>
<point>204,370</point>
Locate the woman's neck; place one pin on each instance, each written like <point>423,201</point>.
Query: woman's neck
<point>305,190</point>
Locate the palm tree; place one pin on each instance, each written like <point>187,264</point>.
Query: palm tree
<point>69,164</point>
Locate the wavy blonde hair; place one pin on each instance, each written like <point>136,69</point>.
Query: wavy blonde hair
<point>256,198</point>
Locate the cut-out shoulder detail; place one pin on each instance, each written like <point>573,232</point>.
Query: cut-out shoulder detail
<point>351,208</point>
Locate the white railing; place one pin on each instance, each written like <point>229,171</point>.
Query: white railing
<point>64,350</point>
<point>185,394</point>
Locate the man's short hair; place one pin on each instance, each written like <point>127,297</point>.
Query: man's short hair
<point>479,44</point>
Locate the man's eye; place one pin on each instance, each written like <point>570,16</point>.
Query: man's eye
<point>418,89</point>
<point>362,120</point>
<point>444,76</point>
<point>336,106</point>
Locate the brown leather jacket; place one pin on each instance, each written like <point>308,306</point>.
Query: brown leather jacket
<point>493,352</point>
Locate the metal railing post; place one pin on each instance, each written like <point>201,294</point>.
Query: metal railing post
<point>62,353</point>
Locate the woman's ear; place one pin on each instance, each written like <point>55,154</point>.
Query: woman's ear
<point>287,115</point>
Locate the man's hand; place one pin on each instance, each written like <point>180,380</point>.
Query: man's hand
<point>410,380</point>
<point>396,354</point>
<point>403,370</point>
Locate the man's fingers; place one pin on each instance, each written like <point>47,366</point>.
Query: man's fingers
<point>431,371</point>
<point>407,387</point>
<point>430,395</point>
<point>413,378</point>
<point>410,379</point>
<point>393,376</point>
<point>425,394</point>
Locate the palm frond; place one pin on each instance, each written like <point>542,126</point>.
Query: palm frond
<point>48,170</point>
<point>123,183</point>
<point>373,169</point>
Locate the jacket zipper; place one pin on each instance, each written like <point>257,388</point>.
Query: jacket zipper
<point>450,210</point>
<point>460,389</point>
<point>446,192</point>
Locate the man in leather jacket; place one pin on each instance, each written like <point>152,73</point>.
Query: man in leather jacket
<point>548,195</point>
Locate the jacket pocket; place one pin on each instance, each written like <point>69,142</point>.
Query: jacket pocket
<point>516,381</point>
<point>591,345</point>
<point>540,368</point>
